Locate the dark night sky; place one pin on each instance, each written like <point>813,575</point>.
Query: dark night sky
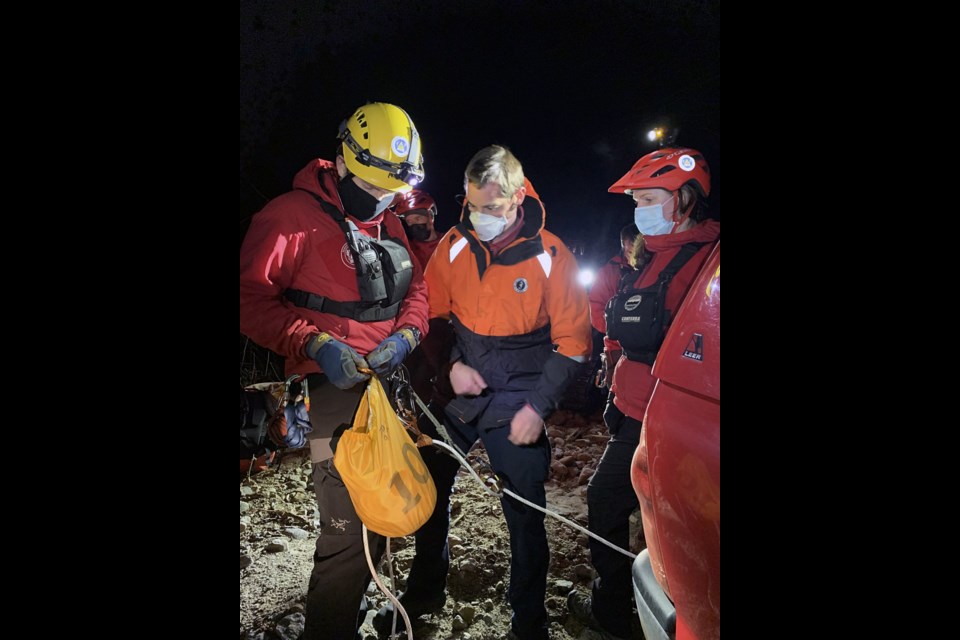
<point>570,87</point>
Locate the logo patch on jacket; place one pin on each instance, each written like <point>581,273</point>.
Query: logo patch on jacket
<point>346,256</point>
<point>520,285</point>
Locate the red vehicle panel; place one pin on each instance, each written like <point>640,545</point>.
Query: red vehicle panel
<point>676,473</point>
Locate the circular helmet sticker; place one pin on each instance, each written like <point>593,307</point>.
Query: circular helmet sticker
<point>346,256</point>
<point>520,285</point>
<point>687,163</point>
<point>632,303</point>
<point>401,146</point>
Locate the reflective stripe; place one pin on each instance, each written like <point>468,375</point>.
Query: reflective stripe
<point>457,248</point>
<point>546,262</point>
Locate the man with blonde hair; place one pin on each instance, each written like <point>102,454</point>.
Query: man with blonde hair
<point>509,326</point>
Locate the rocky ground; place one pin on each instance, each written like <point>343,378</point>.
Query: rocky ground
<point>278,534</point>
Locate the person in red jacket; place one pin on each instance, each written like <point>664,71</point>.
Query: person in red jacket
<point>605,287</point>
<point>418,210</point>
<point>669,187</point>
<point>327,281</point>
<point>504,294</point>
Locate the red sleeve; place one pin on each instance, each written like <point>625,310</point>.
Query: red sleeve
<point>271,254</point>
<point>603,289</point>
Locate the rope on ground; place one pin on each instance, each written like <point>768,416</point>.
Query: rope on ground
<point>455,453</point>
<point>376,578</point>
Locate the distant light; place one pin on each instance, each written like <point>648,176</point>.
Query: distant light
<point>586,277</point>
<point>652,135</point>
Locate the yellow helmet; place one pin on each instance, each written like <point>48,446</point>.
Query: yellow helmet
<point>381,145</point>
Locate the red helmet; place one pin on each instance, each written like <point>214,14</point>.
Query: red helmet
<point>414,200</point>
<point>667,169</point>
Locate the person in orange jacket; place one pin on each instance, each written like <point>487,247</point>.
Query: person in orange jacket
<point>327,281</point>
<point>669,187</point>
<point>504,295</point>
<point>604,288</point>
<point>418,210</point>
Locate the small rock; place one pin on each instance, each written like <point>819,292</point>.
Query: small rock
<point>585,476</point>
<point>454,540</point>
<point>584,572</point>
<point>244,507</point>
<point>458,550</point>
<point>246,491</point>
<point>468,613</point>
<point>296,533</point>
<point>563,586</point>
<point>290,627</point>
<point>245,561</point>
<point>458,623</point>
<point>487,618</point>
<point>487,605</point>
<point>275,545</point>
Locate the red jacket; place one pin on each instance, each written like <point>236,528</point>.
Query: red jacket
<point>632,382</point>
<point>423,250</point>
<point>293,243</point>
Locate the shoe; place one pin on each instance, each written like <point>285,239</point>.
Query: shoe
<point>415,607</point>
<point>580,607</point>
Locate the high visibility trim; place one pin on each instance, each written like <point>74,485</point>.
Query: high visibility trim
<point>457,248</point>
<point>546,262</point>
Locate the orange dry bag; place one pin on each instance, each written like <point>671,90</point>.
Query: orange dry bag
<point>389,484</point>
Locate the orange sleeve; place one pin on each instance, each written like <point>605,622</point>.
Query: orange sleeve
<point>566,302</point>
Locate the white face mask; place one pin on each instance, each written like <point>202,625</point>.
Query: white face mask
<point>650,220</point>
<point>487,227</point>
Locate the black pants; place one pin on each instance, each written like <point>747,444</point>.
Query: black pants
<point>523,470</point>
<point>335,602</point>
<point>428,573</point>
<point>336,605</point>
<point>610,501</point>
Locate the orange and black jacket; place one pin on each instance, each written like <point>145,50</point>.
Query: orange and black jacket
<point>520,318</point>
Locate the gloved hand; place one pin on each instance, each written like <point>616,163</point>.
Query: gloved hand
<point>391,352</point>
<point>338,361</point>
<point>290,429</point>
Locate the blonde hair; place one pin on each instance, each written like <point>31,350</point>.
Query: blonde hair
<point>494,164</point>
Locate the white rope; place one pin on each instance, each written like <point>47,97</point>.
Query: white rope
<point>510,493</point>
<point>376,578</point>
<point>530,504</point>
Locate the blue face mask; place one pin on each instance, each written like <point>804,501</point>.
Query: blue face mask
<point>650,220</point>
<point>487,227</point>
